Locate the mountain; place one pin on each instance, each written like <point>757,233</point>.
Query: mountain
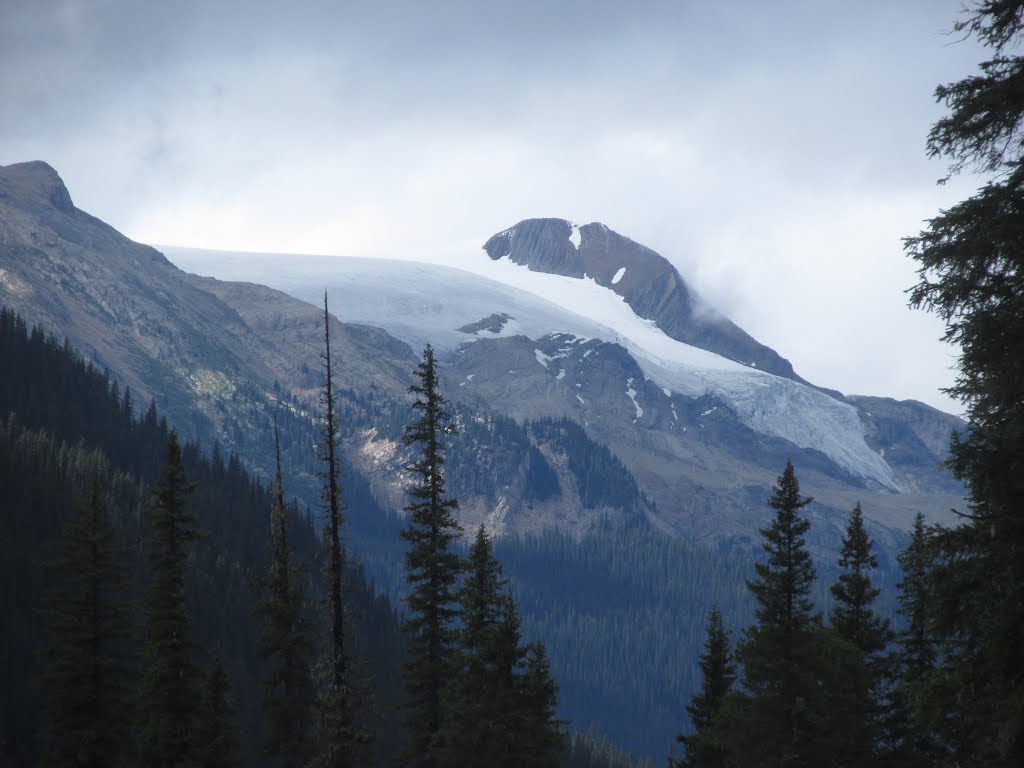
<point>63,424</point>
<point>626,469</point>
<point>222,359</point>
<point>186,342</point>
<point>703,435</point>
<point>647,281</point>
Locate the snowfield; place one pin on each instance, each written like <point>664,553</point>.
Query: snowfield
<point>422,303</point>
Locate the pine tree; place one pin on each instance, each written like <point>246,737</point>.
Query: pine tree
<point>472,730</point>
<point>970,263</point>
<point>87,673</point>
<point>217,736</point>
<point>340,735</point>
<point>501,702</point>
<point>510,718</point>
<point>773,722</point>
<point>432,568</point>
<point>170,690</point>
<point>913,738</point>
<point>700,749</point>
<point>542,740</point>
<point>852,616</point>
<point>288,691</point>
<point>854,620</point>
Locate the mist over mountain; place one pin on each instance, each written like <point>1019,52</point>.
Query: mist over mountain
<point>648,283</point>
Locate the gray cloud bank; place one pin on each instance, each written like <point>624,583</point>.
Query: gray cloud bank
<point>773,151</point>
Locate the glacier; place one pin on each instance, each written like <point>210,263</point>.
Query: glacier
<point>421,302</point>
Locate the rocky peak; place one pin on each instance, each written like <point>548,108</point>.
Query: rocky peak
<point>34,182</point>
<point>647,281</point>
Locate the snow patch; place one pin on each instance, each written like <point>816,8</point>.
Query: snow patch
<point>561,374</point>
<point>631,393</point>
<point>582,401</point>
<point>402,298</point>
<point>667,391</point>
<point>710,411</point>
<point>541,357</point>
<point>618,275</point>
<point>574,237</point>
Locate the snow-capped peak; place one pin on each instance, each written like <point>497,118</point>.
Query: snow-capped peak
<point>422,303</point>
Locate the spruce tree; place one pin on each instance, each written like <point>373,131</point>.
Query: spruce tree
<point>542,740</point>
<point>432,569</point>
<point>772,722</point>
<point>970,262</point>
<point>87,671</point>
<point>509,715</point>
<point>170,686</point>
<point>286,644</point>
<point>472,731</point>
<point>216,734</point>
<point>700,748</point>
<point>853,619</point>
<point>914,713</point>
<point>852,616</point>
<point>340,734</point>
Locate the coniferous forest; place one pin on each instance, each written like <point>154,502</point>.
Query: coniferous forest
<point>161,607</point>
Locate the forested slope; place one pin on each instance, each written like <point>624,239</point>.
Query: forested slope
<point>64,420</point>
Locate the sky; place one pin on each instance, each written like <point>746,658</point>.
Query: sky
<point>774,152</point>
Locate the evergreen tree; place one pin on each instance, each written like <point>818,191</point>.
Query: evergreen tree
<point>542,739</point>
<point>288,691</point>
<point>970,261</point>
<point>773,722</point>
<point>217,737</point>
<point>85,683</point>
<point>852,617</point>
<point>510,717</point>
<point>700,750</point>
<point>473,728</point>
<point>913,738</point>
<point>170,689</point>
<point>340,734</point>
<point>854,620</point>
<point>432,568</point>
<point>501,701</point>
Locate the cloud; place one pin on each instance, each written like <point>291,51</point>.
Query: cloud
<point>774,152</point>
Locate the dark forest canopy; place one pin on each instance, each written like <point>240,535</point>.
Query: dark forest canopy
<point>76,457</point>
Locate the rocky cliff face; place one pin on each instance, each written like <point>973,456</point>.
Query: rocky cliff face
<point>648,282</point>
<point>704,438</point>
<point>222,358</point>
<point>214,356</point>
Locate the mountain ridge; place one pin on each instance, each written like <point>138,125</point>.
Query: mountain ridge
<point>220,357</point>
<point>217,352</point>
<point>647,281</point>
<point>511,357</point>
<point>631,463</point>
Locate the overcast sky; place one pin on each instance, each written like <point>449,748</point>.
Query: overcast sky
<point>774,151</point>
